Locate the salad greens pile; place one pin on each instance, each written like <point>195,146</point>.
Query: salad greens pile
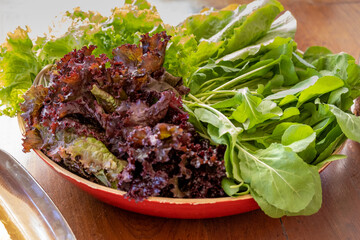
<point>280,112</point>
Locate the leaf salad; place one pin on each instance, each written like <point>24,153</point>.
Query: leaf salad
<point>222,104</point>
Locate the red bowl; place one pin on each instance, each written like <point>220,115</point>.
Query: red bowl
<point>159,206</point>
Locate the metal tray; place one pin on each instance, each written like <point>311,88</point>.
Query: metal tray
<point>25,209</point>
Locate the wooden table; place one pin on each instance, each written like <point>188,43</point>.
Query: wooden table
<point>331,23</point>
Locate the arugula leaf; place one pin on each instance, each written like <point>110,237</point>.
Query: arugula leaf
<point>335,63</point>
<point>211,70</point>
<point>233,188</point>
<point>290,112</point>
<point>300,62</point>
<point>252,50</point>
<point>313,206</point>
<point>287,70</point>
<point>301,139</point>
<point>353,73</point>
<point>322,85</point>
<point>294,89</point>
<point>321,126</point>
<point>252,110</point>
<point>280,129</point>
<point>329,149</point>
<point>315,52</point>
<point>348,123</point>
<point>283,50</point>
<point>286,189</point>
<point>287,100</point>
<point>335,96</point>
<point>228,186</point>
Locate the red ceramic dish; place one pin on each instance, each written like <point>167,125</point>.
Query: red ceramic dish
<point>159,206</point>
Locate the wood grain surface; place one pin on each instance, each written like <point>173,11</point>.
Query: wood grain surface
<point>331,23</point>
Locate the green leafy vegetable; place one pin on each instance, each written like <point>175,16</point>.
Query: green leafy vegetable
<point>96,159</point>
<point>322,85</point>
<point>18,68</point>
<point>285,189</point>
<point>292,107</point>
<point>108,102</point>
<point>301,139</point>
<point>310,209</point>
<point>348,123</point>
<point>252,110</point>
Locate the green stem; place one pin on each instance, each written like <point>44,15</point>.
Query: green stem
<point>253,138</point>
<point>241,77</point>
<point>223,92</point>
<point>194,98</point>
<point>187,102</point>
<point>213,80</point>
<point>206,89</point>
<point>246,84</point>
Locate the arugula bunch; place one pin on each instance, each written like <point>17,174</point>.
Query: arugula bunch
<point>281,112</point>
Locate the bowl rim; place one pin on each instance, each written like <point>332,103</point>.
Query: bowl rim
<point>97,186</point>
<point>40,78</point>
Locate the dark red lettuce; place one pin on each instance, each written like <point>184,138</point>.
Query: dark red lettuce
<point>133,106</point>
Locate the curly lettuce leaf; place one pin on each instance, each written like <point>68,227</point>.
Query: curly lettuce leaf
<point>108,102</point>
<point>96,159</point>
<point>56,49</point>
<point>18,68</point>
<point>34,100</point>
<point>125,25</point>
<point>32,140</point>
